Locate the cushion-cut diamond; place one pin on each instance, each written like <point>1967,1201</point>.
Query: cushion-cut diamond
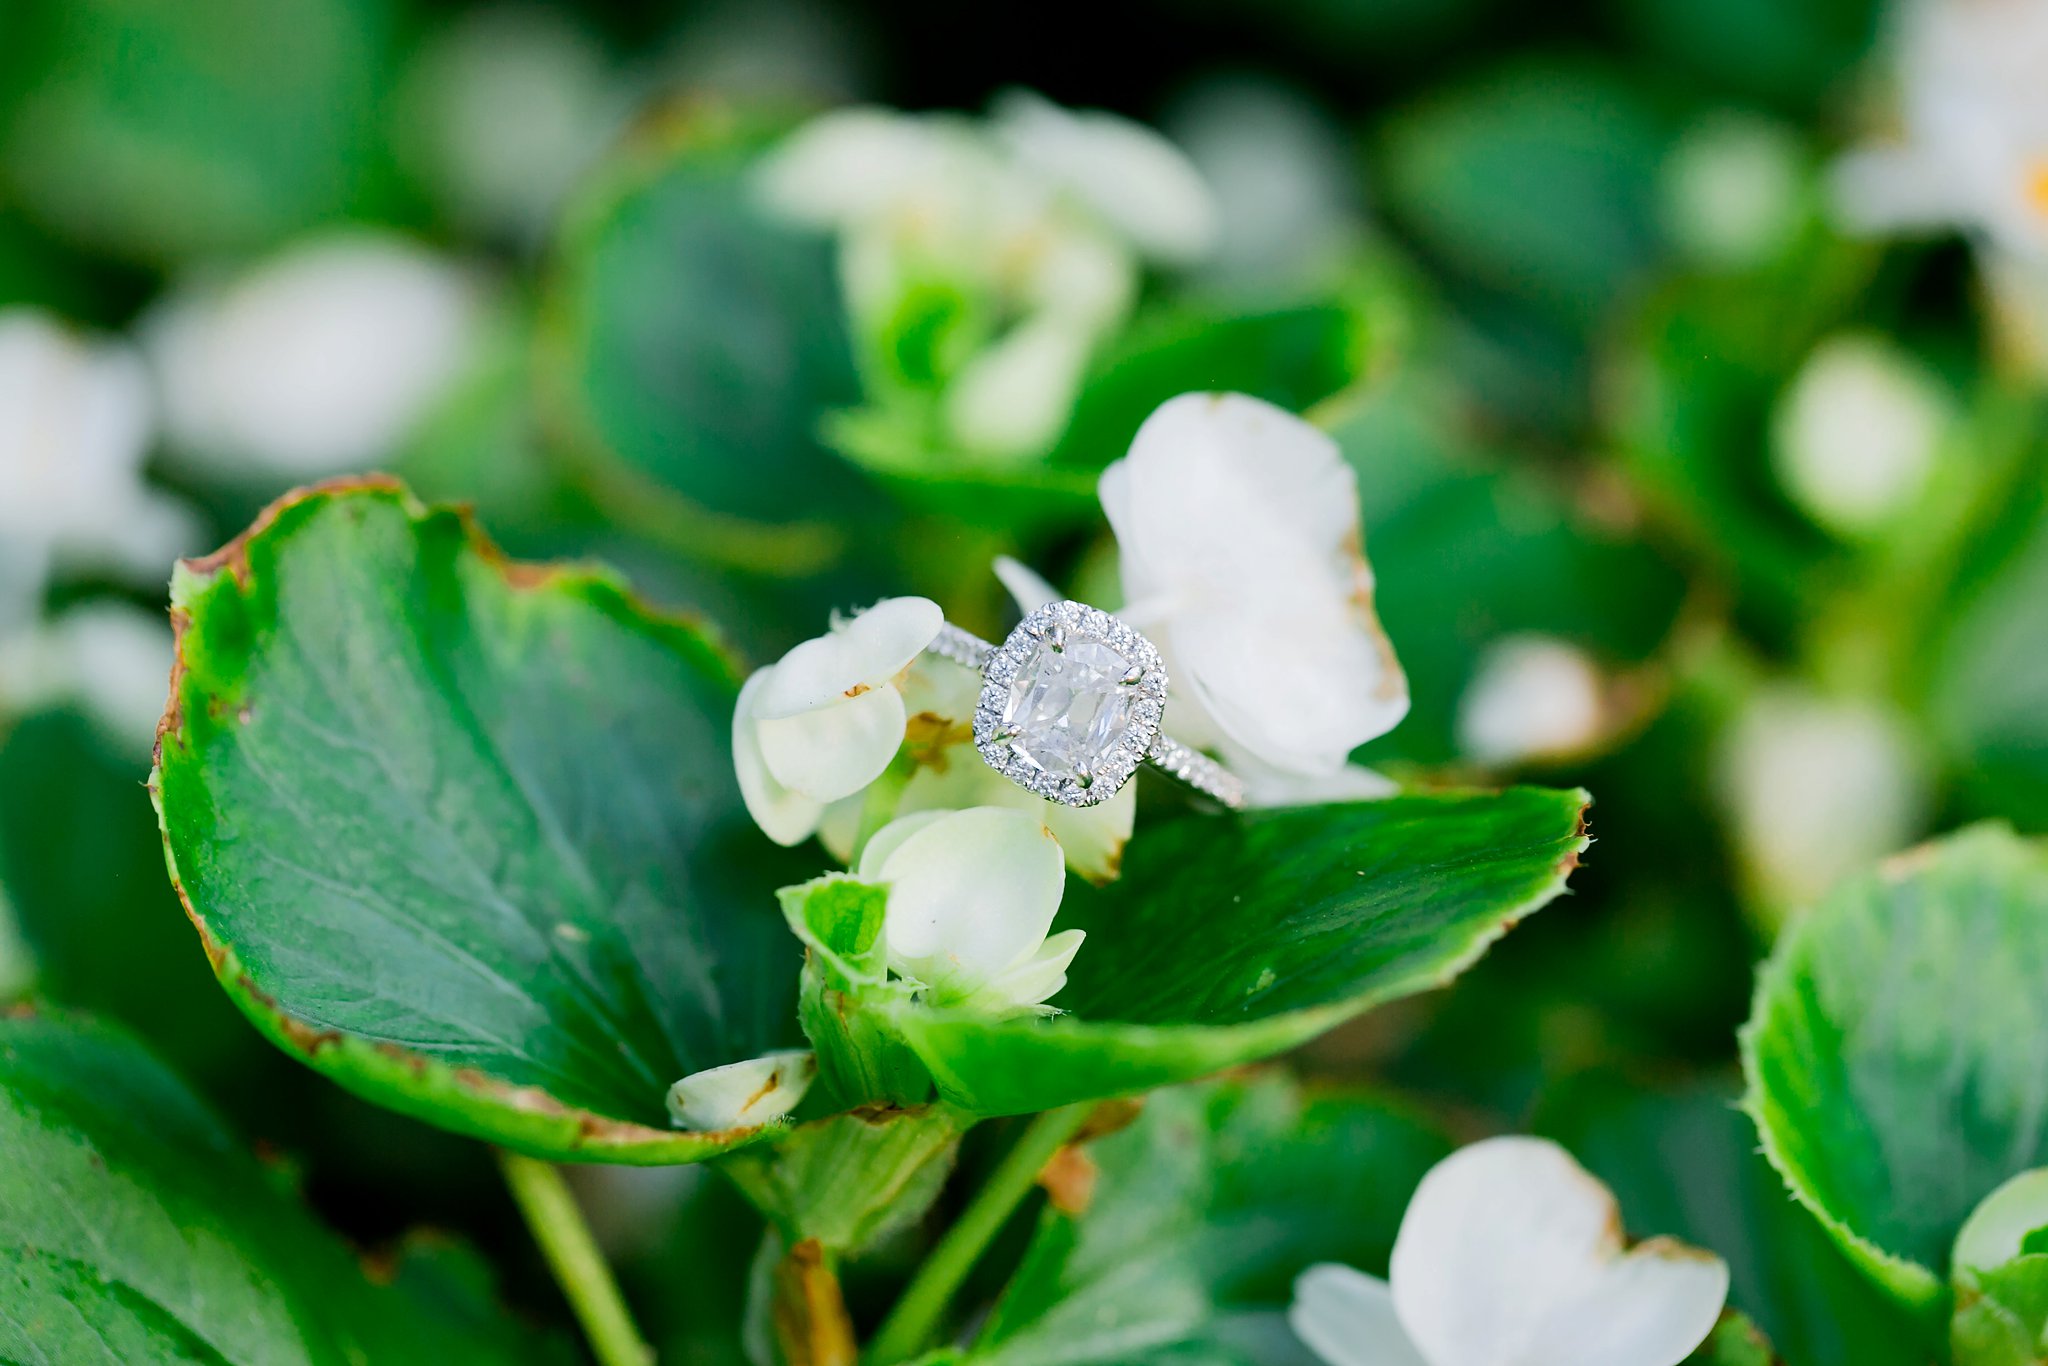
<point>1070,706</point>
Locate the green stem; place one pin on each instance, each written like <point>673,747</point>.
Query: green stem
<point>572,1254</point>
<point>916,1317</point>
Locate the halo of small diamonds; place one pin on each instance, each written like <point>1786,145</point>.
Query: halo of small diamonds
<point>1120,681</point>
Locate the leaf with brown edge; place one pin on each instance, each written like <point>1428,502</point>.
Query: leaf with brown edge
<point>463,834</point>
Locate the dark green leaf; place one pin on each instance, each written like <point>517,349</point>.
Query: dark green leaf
<point>1536,180</point>
<point>1203,1212</point>
<point>1294,357</point>
<point>1895,1054</point>
<point>463,834</point>
<point>1467,551</point>
<point>132,1229</point>
<point>1228,939</point>
<point>691,348</point>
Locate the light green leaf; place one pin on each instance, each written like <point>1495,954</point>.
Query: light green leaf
<point>463,834</point>
<point>1202,1214</point>
<point>690,349</point>
<point>133,1229</point>
<point>1895,1052</point>
<point>1228,939</point>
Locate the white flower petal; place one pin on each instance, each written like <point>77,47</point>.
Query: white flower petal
<point>1497,1235</point>
<point>1138,181</point>
<point>1238,535</point>
<point>1265,786</point>
<point>1014,398</point>
<point>883,844</point>
<point>1857,435</point>
<point>1029,589</point>
<point>971,895</point>
<point>1027,985</point>
<point>1347,1318</point>
<point>742,1094</point>
<point>1997,1229</point>
<point>784,816</point>
<point>856,656</point>
<point>1091,837</point>
<point>319,360</point>
<point>833,751</point>
<point>1531,697</point>
<point>1649,1308</point>
<point>850,165</point>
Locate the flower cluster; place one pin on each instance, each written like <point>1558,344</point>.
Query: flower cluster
<point>984,263</point>
<point>1238,534</point>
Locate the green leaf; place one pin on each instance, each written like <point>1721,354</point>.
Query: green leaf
<point>1537,180</point>
<point>1893,1054</point>
<point>1683,1162</point>
<point>1228,939</point>
<point>463,834</point>
<point>1294,357</point>
<point>161,132</point>
<point>2001,1313</point>
<point>1202,1214</point>
<point>691,347</point>
<point>132,1228</point>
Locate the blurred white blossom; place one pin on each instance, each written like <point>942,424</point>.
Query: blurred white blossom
<point>742,1094</point>
<point>112,660</point>
<point>1972,149</point>
<point>1734,190</point>
<point>320,360</point>
<point>826,719</point>
<point>1817,788</point>
<point>504,108</point>
<point>1282,177</point>
<point>75,426</point>
<point>1242,559</point>
<point>1855,437</point>
<point>1010,248</point>
<point>1532,697</point>
<point>972,896</point>
<point>1511,1254</point>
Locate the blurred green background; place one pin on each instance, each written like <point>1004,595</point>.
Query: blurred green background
<point>1567,283</point>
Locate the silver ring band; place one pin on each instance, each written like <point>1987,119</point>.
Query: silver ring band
<point>1190,766</point>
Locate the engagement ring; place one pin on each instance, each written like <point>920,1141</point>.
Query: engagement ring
<point>1072,703</point>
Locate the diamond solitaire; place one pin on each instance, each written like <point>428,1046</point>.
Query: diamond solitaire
<point>1071,704</point>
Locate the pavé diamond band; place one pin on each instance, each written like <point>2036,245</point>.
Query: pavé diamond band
<point>1072,702</point>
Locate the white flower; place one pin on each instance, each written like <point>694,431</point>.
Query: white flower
<point>1511,1254</point>
<point>318,361</point>
<point>1242,559</point>
<point>1532,697</point>
<point>1856,436</point>
<point>1734,190</point>
<point>1035,225</point>
<point>1817,787</point>
<point>1282,176</point>
<point>1974,153</point>
<point>824,721</point>
<point>972,896</point>
<point>742,1094</point>
<point>75,424</point>
<point>505,107</point>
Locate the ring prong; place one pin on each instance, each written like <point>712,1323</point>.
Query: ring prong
<point>1085,777</point>
<point>1133,675</point>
